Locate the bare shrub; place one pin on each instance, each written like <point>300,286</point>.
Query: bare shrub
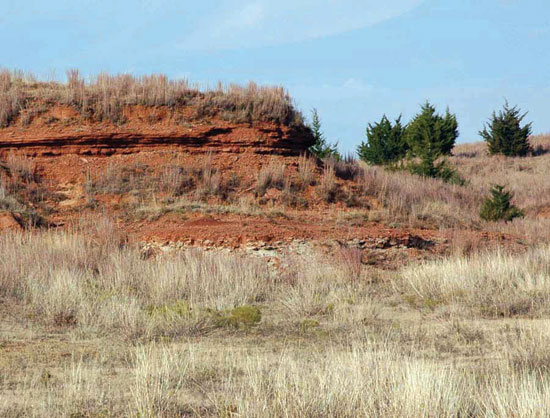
<point>306,170</point>
<point>210,181</point>
<point>11,99</point>
<point>22,168</point>
<point>119,179</point>
<point>272,175</point>
<point>328,186</point>
<point>290,195</point>
<point>176,180</point>
<point>347,168</point>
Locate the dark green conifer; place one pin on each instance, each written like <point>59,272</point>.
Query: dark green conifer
<point>431,135</point>
<point>321,148</point>
<point>385,143</point>
<point>505,135</point>
<point>499,207</point>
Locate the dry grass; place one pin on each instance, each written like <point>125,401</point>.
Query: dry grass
<point>364,379</point>
<point>105,98</point>
<point>106,288</point>
<point>306,170</point>
<point>419,201</point>
<point>521,175</point>
<point>328,186</point>
<point>493,284</point>
<point>335,337</point>
<point>271,175</point>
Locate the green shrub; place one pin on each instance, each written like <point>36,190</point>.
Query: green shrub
<point>178,309</point>
<point>499,207</point>
<point>504,135</point>
<point>243,317</point>
<point>385,143</point>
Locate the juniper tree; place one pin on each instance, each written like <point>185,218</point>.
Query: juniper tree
<point>321,148</point>
<point>504,133</point>
<point>430,136</point>
<point>499,207</point>
<point>385,142</point>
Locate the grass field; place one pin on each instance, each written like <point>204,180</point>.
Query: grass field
<point>91,325</point>
<point>93,328</point>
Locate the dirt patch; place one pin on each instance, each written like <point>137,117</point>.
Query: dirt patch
<point>9,222</point>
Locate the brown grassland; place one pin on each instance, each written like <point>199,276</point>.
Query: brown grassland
<point>93,328</point>
<point>93,324</point>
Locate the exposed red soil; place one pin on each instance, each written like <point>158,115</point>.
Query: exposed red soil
<point>9,222</point>
<point>235,230</point>
<point>70,152</point>
<point>148,129</point>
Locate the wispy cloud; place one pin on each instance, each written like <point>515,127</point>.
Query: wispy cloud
<point>246,23</point>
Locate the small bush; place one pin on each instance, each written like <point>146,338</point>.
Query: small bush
<point>345,168</point>
<point>178,309</point>
<point>243,317</point>
<point>498,207</point>
<point>176,180</point>
<point>440,170</point>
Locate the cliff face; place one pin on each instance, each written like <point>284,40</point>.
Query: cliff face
<point>61,131</point>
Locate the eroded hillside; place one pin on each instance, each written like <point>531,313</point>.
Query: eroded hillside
<point>173,166</point>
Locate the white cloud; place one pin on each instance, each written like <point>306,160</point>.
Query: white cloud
<point>246,23</point>
<point>249,16</point>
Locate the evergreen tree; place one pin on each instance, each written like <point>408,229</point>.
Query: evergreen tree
<point>385,143</point>
<point>499,207</point>
<point>430,134</point>
<point>321,148</point>
<point>504,135</point>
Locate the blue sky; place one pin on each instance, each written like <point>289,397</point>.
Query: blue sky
<point>353,60</point>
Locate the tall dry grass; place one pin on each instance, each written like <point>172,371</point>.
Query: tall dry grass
<point>521,175</point>
<point>360,379</point>
<point>419,201</point>
<point>96,283</point>
<point>492,284</point>
<point>105,97</point>
<point>331,341</point>
<point>103,287</point>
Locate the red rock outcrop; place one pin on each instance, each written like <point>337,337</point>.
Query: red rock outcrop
<point>84,138</point>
